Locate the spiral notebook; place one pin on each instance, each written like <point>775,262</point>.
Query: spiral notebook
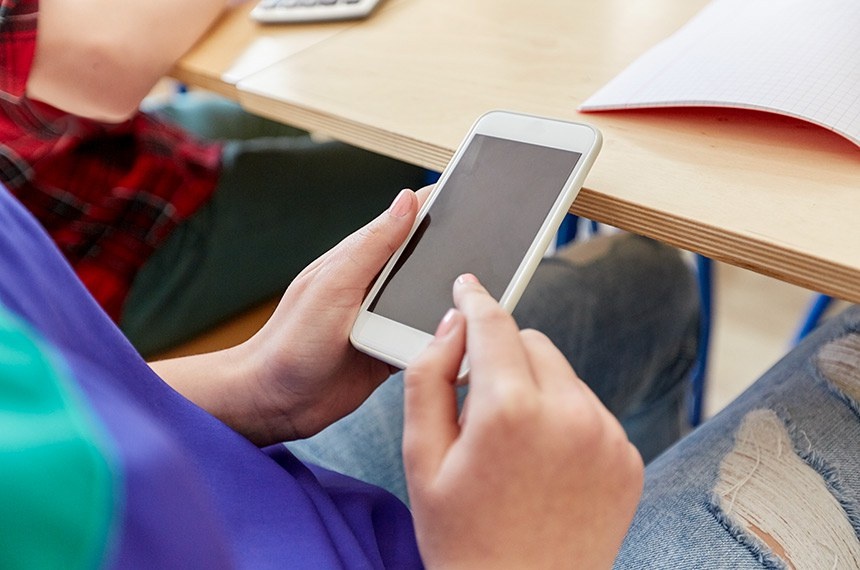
<point>794,57</point>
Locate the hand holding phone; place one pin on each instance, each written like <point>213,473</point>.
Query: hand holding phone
<point>304,373</point>
<point>493,213</point>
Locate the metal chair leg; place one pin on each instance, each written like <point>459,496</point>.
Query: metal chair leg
<point>698,379</point>
<point>813,316</point>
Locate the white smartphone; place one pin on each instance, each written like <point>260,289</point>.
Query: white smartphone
<point>493,213</point>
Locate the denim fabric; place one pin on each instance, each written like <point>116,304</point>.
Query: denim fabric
<point>679,525</point>
<point>622,308</point>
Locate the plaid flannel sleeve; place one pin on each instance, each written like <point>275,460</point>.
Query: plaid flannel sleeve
<point>18,23</point>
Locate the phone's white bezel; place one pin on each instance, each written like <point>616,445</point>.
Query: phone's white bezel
<point>399,344</point>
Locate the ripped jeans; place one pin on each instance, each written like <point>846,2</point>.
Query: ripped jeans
<point>773,481</point>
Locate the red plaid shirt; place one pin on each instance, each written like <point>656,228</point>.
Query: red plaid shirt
<point>108,194</point>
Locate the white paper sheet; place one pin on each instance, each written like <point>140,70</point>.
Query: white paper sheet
<point>795,57</point>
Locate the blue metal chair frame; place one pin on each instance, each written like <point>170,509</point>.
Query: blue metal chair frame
<point>569,228</point>
<point>698,377</point>
<point>817,308</point>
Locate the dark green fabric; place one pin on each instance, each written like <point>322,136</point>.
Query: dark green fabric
<point>56,486</point>
<point>281,202</point>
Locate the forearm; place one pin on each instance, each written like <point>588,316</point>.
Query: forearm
<point>225,384</point>
<point>98,58</point>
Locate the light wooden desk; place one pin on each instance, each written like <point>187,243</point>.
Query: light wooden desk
<point>763,192</point>
<point>236,47</point>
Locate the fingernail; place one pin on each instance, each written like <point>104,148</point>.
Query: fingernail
<point>467,278</point>
<point>400,206</point>
<point>447,323</point>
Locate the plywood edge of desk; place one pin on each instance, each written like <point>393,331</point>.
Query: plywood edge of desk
<point>358,134</point>
<point>743,250</point>
<point>200,80</point>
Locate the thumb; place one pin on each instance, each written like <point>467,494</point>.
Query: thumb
<point>363,254</point>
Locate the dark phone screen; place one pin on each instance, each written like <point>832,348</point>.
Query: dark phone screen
<point>482,222</point>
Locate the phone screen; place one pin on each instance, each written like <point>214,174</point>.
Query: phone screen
<point>482,222</point>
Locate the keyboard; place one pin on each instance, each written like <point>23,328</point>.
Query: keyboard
<point>284,11</point>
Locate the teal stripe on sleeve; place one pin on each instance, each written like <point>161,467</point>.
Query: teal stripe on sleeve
<point>57,486</point>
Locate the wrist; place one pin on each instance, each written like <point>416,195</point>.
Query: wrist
<point>229,384</point>
<point>259,407</point>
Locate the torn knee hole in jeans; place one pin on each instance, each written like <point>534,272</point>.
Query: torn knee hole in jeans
<point>839,363</point>
<point>778,506</point>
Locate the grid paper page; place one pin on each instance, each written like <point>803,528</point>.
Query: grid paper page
<point>795,57</point>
